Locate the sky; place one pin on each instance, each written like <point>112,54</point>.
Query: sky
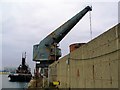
<point>24,23</point>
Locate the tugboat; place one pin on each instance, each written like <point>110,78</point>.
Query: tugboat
<point>23,72</point>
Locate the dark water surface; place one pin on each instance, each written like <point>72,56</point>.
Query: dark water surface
<point>7,84</point>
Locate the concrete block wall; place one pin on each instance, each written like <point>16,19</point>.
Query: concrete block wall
<point>93,65</point>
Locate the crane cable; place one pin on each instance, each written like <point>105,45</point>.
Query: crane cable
<point>90,25</point>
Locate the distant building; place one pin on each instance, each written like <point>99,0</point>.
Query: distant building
<point>9,69</point>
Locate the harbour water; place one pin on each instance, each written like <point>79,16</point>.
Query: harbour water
<point>7,84</point>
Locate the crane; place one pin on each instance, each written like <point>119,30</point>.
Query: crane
<point>48,51</point>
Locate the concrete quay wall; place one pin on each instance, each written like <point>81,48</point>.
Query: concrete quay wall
<point>93,65</point>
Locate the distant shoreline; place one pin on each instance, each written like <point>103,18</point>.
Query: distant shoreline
<point>4,73</point>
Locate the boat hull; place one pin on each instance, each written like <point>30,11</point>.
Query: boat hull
<point>20,77</point>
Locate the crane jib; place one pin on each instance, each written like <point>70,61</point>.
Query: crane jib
<point>47,49</point>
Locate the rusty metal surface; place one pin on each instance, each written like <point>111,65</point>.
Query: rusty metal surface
<point>75,46</point>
